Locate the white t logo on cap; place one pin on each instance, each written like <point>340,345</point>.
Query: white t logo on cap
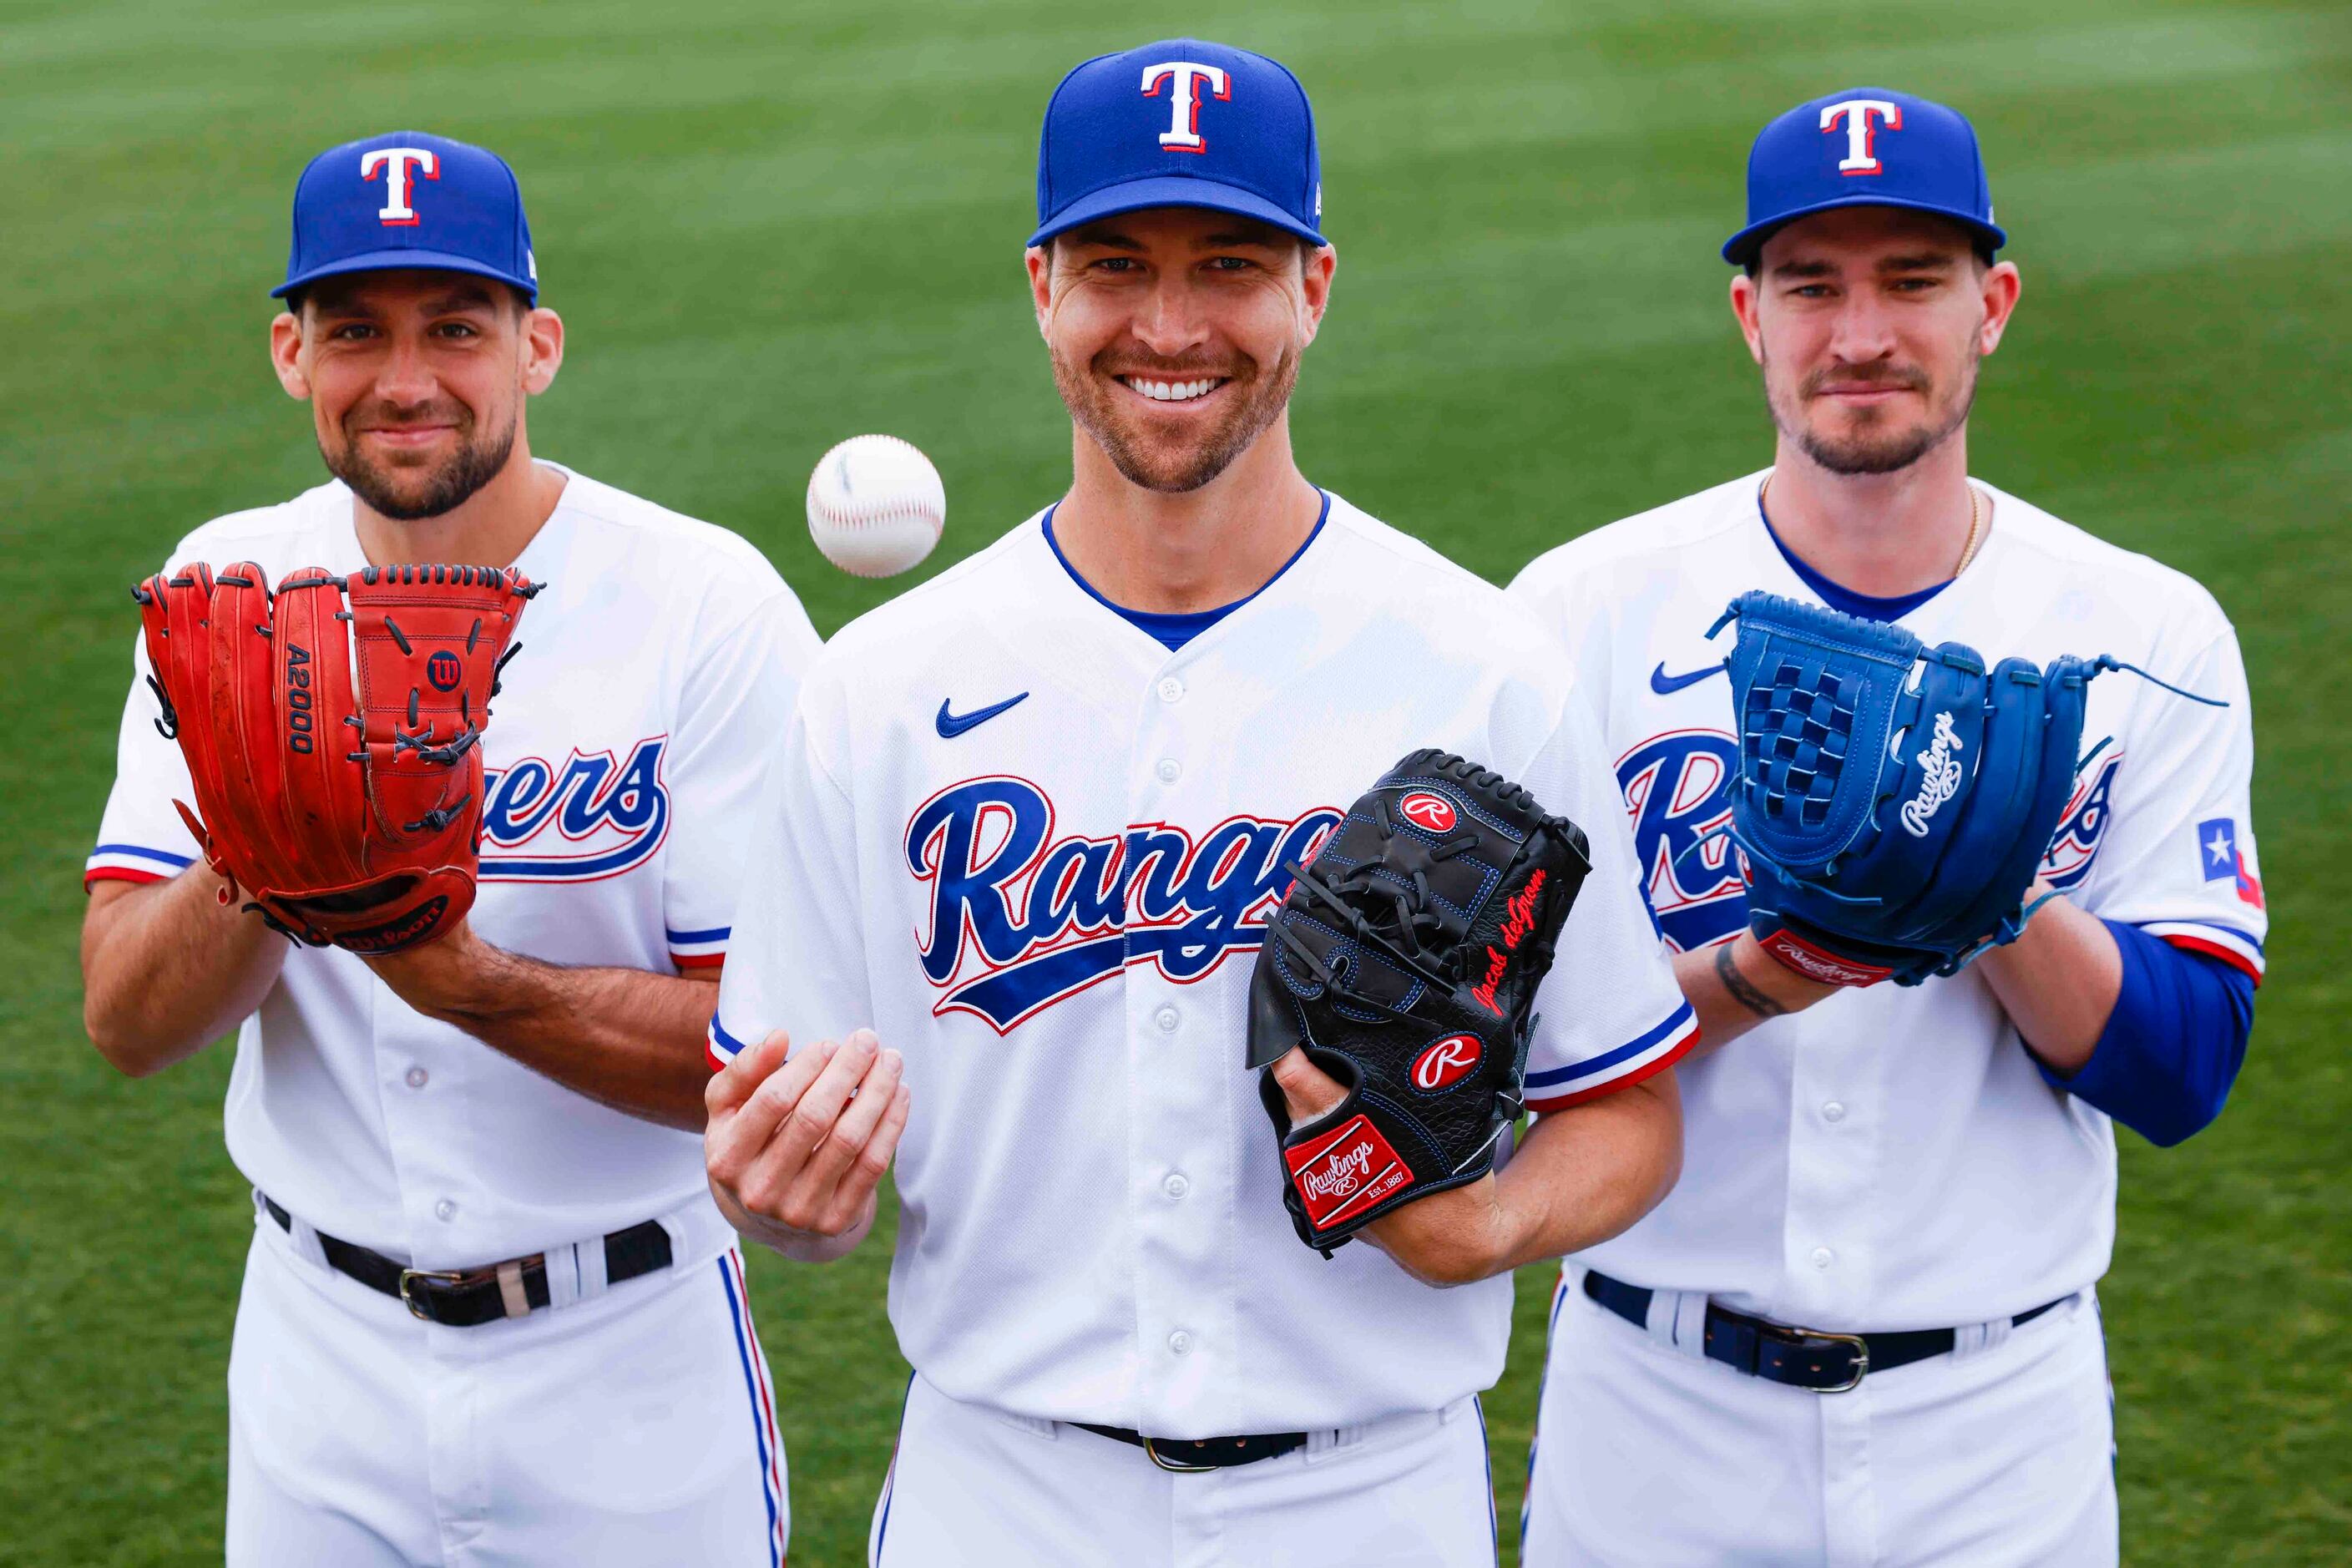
<point>1183,133</point>
<point>395,162</point>
<point>1860,158</point>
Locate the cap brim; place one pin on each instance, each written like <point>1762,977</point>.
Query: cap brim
<point>406,260</point>
<point>1171,191</point>
<point>1744,245</point>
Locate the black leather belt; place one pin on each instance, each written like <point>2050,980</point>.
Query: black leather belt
<point>1800,1358</point>
<point>463,1298</point>
<point>1203,1453</point>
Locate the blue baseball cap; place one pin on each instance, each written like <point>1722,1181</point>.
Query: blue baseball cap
<point>1866,146</point>
<point>1180,124</point>
<point>407,199</point>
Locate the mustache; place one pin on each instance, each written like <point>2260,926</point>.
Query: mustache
<point>1874,378</point>
<point>1188,368</point>
<point>392,416</point>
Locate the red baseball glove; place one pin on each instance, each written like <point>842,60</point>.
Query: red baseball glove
<point>332,731</point>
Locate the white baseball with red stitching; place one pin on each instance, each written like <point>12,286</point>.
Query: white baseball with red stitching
<point>875,506</point>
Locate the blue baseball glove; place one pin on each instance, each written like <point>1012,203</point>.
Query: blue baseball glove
<point>1894,799</point>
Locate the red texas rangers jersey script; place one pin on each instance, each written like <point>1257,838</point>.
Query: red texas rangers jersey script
<point>1891,1158</point>
<point>1036,850</point>
<point>625,754</point>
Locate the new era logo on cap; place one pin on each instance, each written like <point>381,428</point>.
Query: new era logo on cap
<point>1866,146</point>
<point>410,200</point>
<point>1182,124</point>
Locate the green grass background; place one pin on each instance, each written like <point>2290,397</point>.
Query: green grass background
<point>772,226</point>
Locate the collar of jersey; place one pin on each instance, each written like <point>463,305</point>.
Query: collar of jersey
<point>1839,597</point>
<point>1174,630</point>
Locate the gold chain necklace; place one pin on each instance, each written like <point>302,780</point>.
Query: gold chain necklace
<point>1979,513</point>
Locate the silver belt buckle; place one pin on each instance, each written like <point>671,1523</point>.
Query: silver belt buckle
<point>1860,1358</point>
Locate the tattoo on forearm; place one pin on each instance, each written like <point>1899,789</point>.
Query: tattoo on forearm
<point>1743,990</point>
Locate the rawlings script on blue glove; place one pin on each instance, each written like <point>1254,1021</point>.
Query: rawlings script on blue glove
<point>1894,799</point>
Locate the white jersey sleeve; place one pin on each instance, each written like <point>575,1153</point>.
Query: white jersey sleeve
<point>1610,1014</point>
<point>736,698</point>
<point>799,958</point>
<point>2178,857</point>
<point>141,837</point>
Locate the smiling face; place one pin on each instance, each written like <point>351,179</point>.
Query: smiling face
<point>1175,335</point>
<point>417,382</point>
<point>1868,323</point>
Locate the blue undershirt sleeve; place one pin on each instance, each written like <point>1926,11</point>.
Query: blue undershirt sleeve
<point>2172,1046</point>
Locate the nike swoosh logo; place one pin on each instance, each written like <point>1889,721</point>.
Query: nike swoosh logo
<point>951,725</point>
<point>1665,685</point>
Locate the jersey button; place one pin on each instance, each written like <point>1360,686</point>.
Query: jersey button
<point>416,1077</point>
<point>1833,1111</point>
<point>1171,690</point>
<point>1179,1342</point>
<point>1169,770</point>
<point>1167,1018</point>
<point>1823,1258</point>
<point>445,1210</point>
<point>1176,1186</point>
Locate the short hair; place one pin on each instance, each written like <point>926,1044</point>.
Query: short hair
<point>295,298</point>
<point>1307,248</point>
<point>1754,265</point>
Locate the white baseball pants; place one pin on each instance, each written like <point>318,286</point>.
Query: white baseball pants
<point>628,1429</point>
<point>1648,1455</point>
<point>976,1488</point>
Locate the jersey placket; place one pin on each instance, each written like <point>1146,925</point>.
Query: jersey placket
<point>1837,1115</point>
<point>1177,1174</point>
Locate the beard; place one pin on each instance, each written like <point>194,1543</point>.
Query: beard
<point>1873,443</point>
<point>1157,462</point>
<point>406,493</point>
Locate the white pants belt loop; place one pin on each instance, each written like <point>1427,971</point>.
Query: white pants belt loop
<point>1678,1322</point>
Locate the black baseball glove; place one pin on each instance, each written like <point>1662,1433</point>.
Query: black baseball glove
<point>1405,959</point>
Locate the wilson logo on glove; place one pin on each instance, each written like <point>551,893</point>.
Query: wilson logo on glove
<point>361,830</point>
<point>1444,1063</point>
<point>1433,812</point>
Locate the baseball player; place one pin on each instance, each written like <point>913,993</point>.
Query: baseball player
<point>1031,820</point>
<point>1864,1329</point>
<point>491,1313</point>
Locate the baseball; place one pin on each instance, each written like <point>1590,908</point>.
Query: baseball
<point>875,506</point>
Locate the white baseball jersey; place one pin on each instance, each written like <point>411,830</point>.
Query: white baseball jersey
<point>624,759</point>
<point>1891,1158</point>
<point>1034,850</point>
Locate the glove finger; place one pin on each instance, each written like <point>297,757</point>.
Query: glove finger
<point>1939,747</point>
<point>243,711</point>
<point>1978,877</point>
<point>325,787</point>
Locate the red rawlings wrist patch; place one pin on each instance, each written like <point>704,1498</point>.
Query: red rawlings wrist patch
<point>1344,1172</point>
<point>1817,964</point>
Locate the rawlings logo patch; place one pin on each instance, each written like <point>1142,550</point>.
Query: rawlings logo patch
<point>1345,1172</point>
<point>1445,1063</point>
<point>1942,783</point>
<point>1422,809</point>
<point>1813,964</point>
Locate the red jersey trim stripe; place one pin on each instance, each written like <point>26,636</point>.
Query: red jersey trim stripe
<point>1669,1052</point>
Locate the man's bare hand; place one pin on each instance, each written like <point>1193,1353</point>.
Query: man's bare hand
<point>797,1145</point>
<point>1447,1238</point>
